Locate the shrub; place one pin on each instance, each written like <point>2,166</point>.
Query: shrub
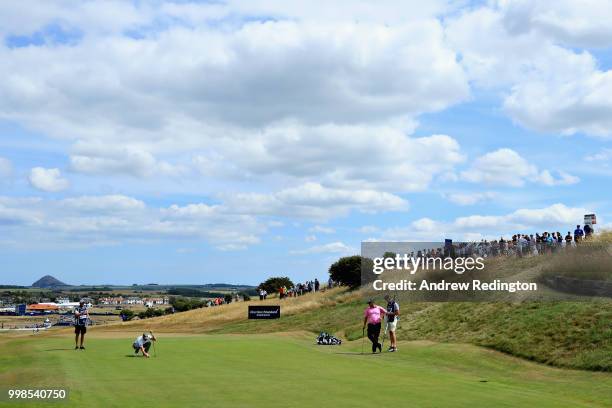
<point>389,255</point>
<point>126,314</point>
<point>183,304</point>
<point>347,270</point>
<point>151,312</point>
<point>271,285</point>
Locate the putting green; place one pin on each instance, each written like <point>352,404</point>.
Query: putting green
<point>290,371</point>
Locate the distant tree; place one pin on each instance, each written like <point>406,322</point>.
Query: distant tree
<point>228,298</point>
<point>389,254</point>
<point>191,292</point>
<point>245,296</point>
<point>151,312</point>
<point>126,314</point>
<point>271,285</point>
<point>347,270</point>
<point>181,304</point>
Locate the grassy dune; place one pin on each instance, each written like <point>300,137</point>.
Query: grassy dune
<point>211,318</point>
<point>591,260</point>
<point>565,334</point>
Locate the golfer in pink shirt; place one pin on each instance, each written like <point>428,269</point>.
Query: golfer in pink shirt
<point>373,316</point>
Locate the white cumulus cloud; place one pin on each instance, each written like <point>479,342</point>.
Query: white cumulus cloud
<point>314,201</point>
<point>527,50</point>
<point>584,23</point>
<point>101,204</point>
<point>508,168</point>
<point>470,198</point>
<point>49,180</point>
<point>331,248</point>
<point>556,217</point>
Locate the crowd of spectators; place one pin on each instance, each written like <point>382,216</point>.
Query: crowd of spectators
<point>519,244</point>
<point>299,289</point>
<point>218,301</point>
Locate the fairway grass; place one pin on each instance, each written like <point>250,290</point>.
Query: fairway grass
<point>289,371</point>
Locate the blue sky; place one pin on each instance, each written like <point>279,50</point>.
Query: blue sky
<point>196,142</point>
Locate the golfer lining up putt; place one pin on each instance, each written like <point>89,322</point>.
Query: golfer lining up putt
<point>373,315</point>
<point>143,343</point>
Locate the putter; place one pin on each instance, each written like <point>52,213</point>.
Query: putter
<point>154,347</point>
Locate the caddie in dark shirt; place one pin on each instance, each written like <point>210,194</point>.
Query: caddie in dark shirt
<point>81,316</point>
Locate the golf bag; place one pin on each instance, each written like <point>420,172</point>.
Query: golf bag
<point>326,339</point>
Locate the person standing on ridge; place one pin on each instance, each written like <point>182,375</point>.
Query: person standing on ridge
<point>588,231</point>
<point>568,239</point>
<point>578,234</point>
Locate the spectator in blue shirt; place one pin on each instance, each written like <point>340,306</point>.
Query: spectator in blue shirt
<point>578,234</point>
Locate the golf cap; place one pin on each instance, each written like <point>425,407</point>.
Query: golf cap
<point>370,300</point>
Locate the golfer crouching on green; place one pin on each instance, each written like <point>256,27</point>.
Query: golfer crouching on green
<point>143,343</point>
<point>373,315</point>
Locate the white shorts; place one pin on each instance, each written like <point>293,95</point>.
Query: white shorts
<point>391,325</point>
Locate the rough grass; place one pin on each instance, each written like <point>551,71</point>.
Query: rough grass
<point>591,260</point>
<point>567,334</point>
<point>210,318</point>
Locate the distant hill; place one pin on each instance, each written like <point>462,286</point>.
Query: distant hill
<point>48,281</point>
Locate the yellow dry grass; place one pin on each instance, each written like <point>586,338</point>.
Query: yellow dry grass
<point>210,318</point>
